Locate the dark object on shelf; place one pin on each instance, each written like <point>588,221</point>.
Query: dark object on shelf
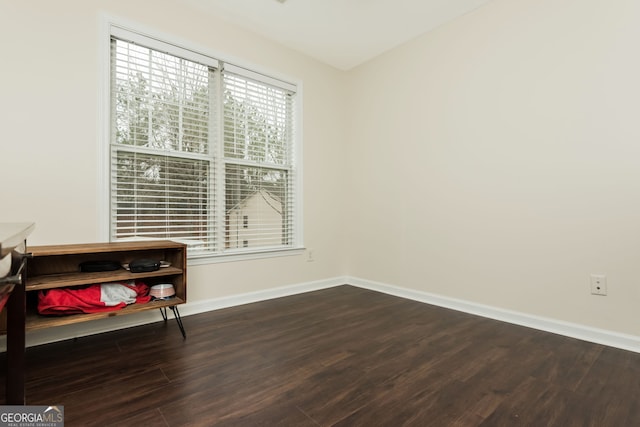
<point>144,265</point>
<point>93,266</point>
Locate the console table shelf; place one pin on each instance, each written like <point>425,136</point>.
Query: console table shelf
<point>58,280</point>
<point>35,321</point>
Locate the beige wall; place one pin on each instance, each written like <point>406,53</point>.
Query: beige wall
<point>496,160</point>
<point>49,85</point>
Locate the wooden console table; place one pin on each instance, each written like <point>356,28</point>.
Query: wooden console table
<point>57,266</point>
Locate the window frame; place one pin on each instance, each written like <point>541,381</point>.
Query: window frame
<point>111,27</point>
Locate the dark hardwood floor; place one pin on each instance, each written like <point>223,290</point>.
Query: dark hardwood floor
<point>344,356</point>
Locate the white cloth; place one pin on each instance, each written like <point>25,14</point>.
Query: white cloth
<point>117,293</point>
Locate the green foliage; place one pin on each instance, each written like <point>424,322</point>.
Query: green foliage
<point>132,111</point>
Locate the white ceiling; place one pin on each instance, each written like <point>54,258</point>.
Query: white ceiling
<point>342,33</point>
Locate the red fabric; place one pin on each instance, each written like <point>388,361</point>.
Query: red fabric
<point>86,299</point>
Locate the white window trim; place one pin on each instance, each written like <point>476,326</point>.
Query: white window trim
<point>107,22</point>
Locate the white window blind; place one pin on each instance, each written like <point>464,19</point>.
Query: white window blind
<point>258,161</point>
<point>213,168</point>
<point>161,160</point>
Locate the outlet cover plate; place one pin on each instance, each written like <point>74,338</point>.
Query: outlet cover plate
<point>599,284</point>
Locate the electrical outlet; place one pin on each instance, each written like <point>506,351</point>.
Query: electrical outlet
<point>310,255</point>
<point>598,284</point>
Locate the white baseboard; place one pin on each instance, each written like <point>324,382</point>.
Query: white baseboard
<point>573,330</point>
<point>250,297</point>
<point>582,332</point>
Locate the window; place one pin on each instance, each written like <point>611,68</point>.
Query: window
<point>197,146</point>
